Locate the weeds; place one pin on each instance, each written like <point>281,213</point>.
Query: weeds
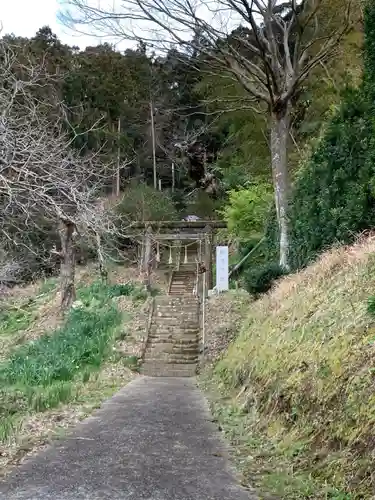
<point>18,317</point>
<point>41,374</point>
<point>14,319</point>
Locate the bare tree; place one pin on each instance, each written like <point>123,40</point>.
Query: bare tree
<point>42,178</point>
<point>267,46</point>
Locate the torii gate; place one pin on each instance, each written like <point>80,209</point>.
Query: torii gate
<point>178,231</point>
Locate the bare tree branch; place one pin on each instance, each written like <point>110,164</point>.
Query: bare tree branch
<point>44,182</point>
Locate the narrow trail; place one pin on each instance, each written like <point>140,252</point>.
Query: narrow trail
<point>152,441</point>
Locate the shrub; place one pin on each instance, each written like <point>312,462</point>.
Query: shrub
<point>142,203</point>
<point>259,279</point>
<point>333,197</point>
<point>246,210</point>
<point>371,305</point>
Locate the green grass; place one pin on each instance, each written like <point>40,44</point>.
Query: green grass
<point>296,387</point>
<point>40,374</point>
<point>15,319</point>
<point>20,316</point>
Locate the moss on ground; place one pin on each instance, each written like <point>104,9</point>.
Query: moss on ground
<point>296,387</point>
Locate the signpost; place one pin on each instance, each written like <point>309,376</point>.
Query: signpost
<point>222,269</point>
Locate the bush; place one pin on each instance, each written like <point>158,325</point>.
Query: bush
<point>334,196</point>
<point>143,203</point>
<point>371,305</point>
<point>247,209</point>
<point>259,279</point>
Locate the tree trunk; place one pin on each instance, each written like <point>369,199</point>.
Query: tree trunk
<point>102,269</point>
<point>67,269</point>
<point>280,124</point>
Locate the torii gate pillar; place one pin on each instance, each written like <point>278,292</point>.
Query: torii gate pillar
<point>208,260</point>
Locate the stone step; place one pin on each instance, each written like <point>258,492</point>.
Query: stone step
<point>165,339</point>
<point>172,323</point>
<point>182,342</point>
<point>186,285</point>
<point>184,275</point>
<point>175,326</point>
<point>175,322</point>
<point>177,311</point>
<point>169,348</point>
<point>186,271</point>
<point>169,358</point>
<point>181,280</point>
<point>180,290</point>
<point>160,369</point>
<point>174,337</point>
<point>181,319</point>
<point>172,348</point>
<point>170,301</point>
<point>175,333</point>
<point>177,308</point>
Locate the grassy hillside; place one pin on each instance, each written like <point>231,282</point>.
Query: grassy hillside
<point>298,382</point>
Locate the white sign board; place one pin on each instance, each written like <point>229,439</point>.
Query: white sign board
<point>222,269</point>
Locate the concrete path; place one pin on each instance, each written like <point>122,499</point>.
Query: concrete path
<point>152,441</point>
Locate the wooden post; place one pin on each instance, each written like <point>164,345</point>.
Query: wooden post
<point>208,256</point>
<point>147,258</point>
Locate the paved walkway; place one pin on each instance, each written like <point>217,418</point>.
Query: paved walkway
<point>152,441</point>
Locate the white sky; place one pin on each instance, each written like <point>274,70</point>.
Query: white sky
<point>25,17</point>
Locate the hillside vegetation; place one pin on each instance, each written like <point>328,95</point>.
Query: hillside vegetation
<point>54,369</point>
<point>299,381</point>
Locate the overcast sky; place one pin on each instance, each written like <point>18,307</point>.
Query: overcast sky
<point>25,17</point>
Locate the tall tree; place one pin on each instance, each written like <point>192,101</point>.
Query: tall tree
<point>270,55</point>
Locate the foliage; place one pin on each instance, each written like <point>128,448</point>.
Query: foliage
<point>334,197</point>
<point>297,383</point>
<point>142,203</point>
<point>246,210</point>
<point>83,340</point>
<point>41,373</point>
<point>18,316</point>
<point>371,305</point>
<point>204,206</point>
<point>260,279</point>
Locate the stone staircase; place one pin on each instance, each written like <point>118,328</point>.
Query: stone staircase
<point>182,282</point>
<point>172,348</point>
